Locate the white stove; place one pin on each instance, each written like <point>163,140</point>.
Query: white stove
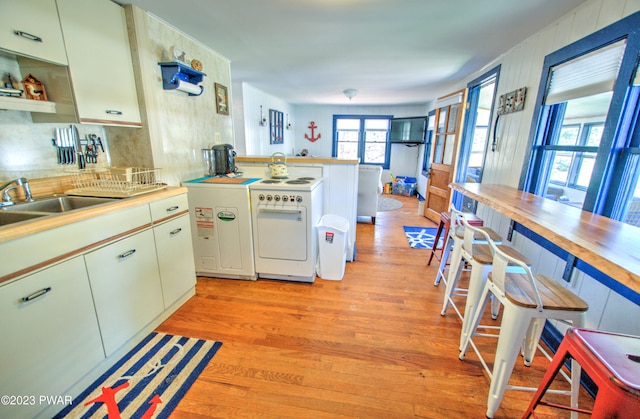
<point>284,214</point>
<point>301,184</point>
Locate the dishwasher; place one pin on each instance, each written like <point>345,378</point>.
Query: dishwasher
<point>221,226</point>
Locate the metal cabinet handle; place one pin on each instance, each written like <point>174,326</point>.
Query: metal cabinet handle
<point>29,36</point>
<point>174,232</point>
<point>171,209</point>
<point>126,254</point>
<point>35,295</point>
<point>113,112</point>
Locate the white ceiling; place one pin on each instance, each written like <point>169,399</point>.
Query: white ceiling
<point>393,52</point>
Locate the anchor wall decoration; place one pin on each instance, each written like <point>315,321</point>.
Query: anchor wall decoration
<point>312,126</point>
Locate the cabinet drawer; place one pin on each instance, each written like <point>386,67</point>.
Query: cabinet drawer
<point>168,207</point>
<point>50,341</point>
<point>35,248</point>
<point>39,33</point>
<point>126,287</point>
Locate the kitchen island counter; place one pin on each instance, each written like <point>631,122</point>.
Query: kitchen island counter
<point>296,160</point>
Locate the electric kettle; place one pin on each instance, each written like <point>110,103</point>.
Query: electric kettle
<point>278,169</point>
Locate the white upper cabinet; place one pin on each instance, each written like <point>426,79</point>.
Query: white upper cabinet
<point>32,28</point>
<point>97,43</point>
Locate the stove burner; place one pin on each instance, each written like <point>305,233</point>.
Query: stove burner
<point>270,181</point>
<point>306,178</point>
<point>298,182</point>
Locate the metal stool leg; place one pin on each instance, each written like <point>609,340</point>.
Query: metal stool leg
<point>434,248</point>
<point>512,330</point>
<point>477,279</point>
<point>444,259</point>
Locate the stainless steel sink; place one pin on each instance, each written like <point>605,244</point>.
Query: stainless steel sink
<point>12,217</point>
<point>58,204</point>
<point>47,206</point>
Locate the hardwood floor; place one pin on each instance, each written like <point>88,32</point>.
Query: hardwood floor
<point>370,346</point>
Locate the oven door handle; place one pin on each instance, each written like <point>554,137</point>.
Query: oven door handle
<point>280,211</point>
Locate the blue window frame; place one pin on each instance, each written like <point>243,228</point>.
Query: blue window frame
<point>362,137</point>
<point>428,138</point>
<point>475,134</point>
<point>613,162</point>
<point>574,155</point>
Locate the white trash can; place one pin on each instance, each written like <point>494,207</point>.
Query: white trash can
<point>333,233</point>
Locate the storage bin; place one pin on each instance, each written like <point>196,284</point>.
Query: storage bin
<point>405,186</point>
<point>333,233</point>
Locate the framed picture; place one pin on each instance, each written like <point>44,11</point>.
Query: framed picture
<point>276,125</point>
<point>222,99</point>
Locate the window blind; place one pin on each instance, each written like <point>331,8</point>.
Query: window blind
<point>586,75</point>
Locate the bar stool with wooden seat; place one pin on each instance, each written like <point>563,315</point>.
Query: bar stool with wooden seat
<point>528,301</point>
<point>443,227</point>
<point>471,247</point>
<point>448,239</point>
<point>611,360</point>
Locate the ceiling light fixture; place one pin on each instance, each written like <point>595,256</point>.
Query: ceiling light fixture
<point>350,93</point>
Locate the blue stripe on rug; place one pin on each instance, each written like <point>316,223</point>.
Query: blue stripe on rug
<point>179,394</point>
<point>154,376</point>
<point>421,237</point>
<point>141,386</point>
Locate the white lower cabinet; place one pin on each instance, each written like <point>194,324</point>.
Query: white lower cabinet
<point>50,336</point>
<point>126,287</point>
<point>60,324</point>
<point>175,258</point>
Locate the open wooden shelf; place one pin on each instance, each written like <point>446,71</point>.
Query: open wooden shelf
<point>20,104</point>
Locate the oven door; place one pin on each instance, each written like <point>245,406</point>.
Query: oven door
<point>282,233</point>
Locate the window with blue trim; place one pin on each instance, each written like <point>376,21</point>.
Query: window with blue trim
<point>574,155</point>
<point>426,157</point>
<point>365,138</point>
<point>586,143</point>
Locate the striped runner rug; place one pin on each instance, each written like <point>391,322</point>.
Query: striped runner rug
<point>148,382</point>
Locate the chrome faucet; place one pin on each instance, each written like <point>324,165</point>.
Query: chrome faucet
<point>6,198</point>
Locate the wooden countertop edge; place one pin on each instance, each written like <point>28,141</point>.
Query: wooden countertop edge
<point>582,249</point>
<point>22,229</point>
<point>296,159</point>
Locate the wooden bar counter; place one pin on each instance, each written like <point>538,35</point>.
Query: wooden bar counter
<point>608,245</point>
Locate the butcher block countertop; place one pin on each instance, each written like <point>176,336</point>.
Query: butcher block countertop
<point>17,230</point>
<point>295,160</point>
<point>608,245</point>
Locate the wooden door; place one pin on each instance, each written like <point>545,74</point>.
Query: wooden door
<point>444,153</point>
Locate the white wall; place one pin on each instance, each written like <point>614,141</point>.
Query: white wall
<point>322,115</point>
<point>255,138</point>
<point>252,139</point>
<point>176,126</point>
<point>522,67</point>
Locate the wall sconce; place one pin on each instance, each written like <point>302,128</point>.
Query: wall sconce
<point>288,125</point>
<point>263,119</point>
